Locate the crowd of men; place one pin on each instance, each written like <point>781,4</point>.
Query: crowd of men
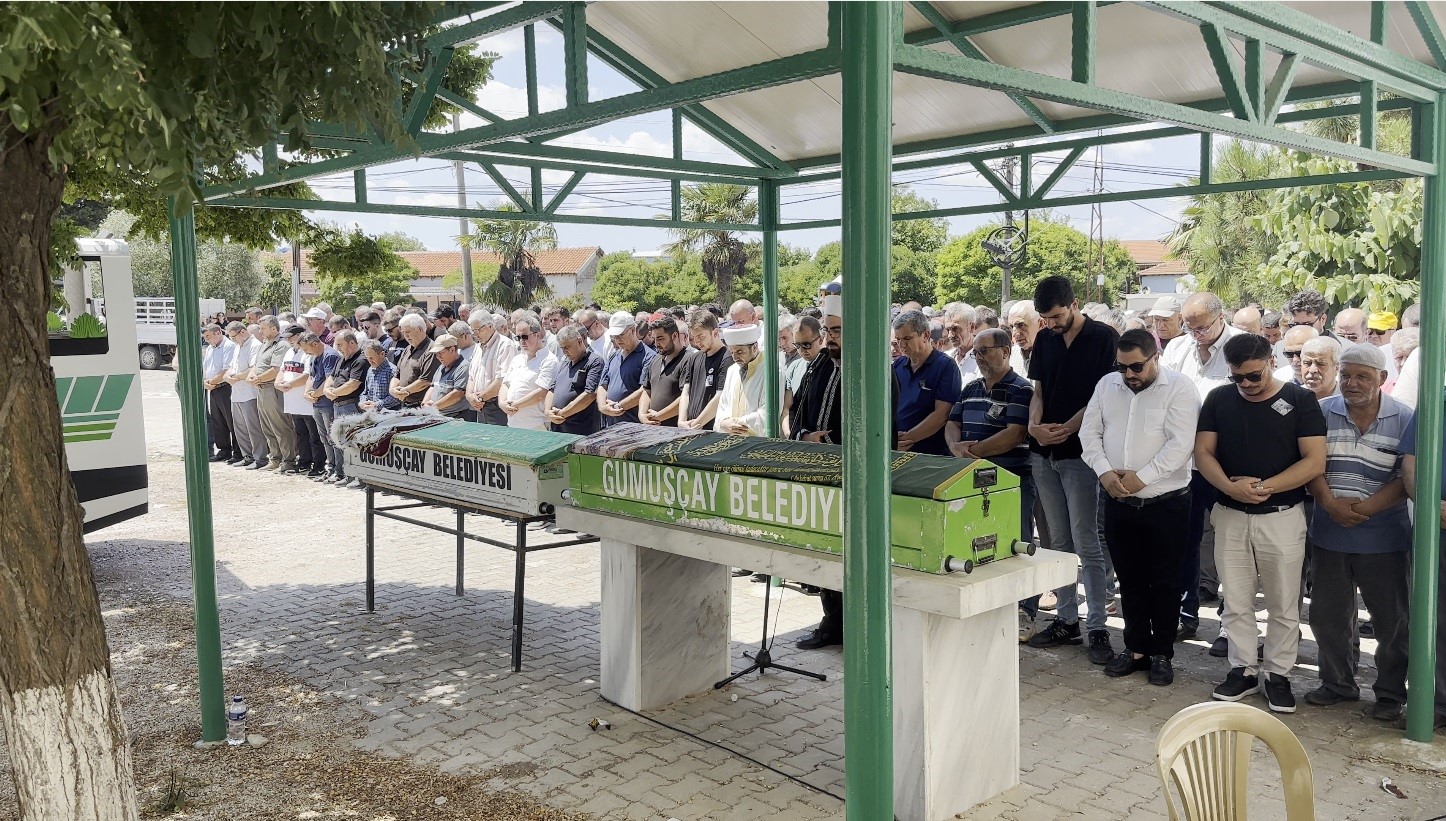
<point>1189,455</point>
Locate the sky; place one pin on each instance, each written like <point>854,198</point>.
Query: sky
<point>1159,163</point>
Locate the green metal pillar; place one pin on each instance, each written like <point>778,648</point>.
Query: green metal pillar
<point>768,218</point>
<point>867,152</point>
<point>1425,563</point>
<point>198,474</point>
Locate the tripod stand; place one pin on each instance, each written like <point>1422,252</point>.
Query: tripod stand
<point>763,659</point>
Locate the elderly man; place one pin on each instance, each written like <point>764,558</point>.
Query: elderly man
<point>466,344</point>
<point>244,414</point>
<point>1138,435</point>
<point>1292,345</point>
<point>315,320</point>
<point>990,422</point>
<point>741,407</point>
<point>596,328</point>
<point>1164,319</point>
<point>1403,343</point>
<point>376,394</point>
<point>274,425</point>
<point>818,417</point>
<point>741,313</point>
<point>809,417</point>
<point>1259,442</point>
<point>1198,355</point>
<point>1360,536</point>
<point>1071,355</point>
<point>960,324</point>
<point>1320,365</point>
<point>1247,320</point>
<point>698,403</point>
<point>325,361</point>
<point>416,365</point>
<point>215,362</point>
<point>1350,326</point>
<point>529,377</point>
<point>293,383</point>
<point>929,385</point>
<point>1023,328</point>
<point>571,405</point>
<point>448,393</point>
<point>663,379</point>
<point>621,388</point>
<point>492,357</point>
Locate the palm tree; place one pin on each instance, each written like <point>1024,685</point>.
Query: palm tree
<point>519,280</point>
<point>724,254</point>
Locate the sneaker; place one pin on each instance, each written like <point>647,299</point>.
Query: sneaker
<point>817,640</point>
<point>273,465</point>
<point>256,466</point>
<point>1056,634</point>
<point>314,475</point>
<point>1236,686</point>
<point>243,463</point>
<point>1187,632</point>
<point>1220,648</point>
<point>1323,697</point>
<point>1367,630</point>
<point>1125,663</point>
<point>1048,601</point>
<point>1113,607</point>
<point>353,484</point>
<point>1385,710</point>
<point>1162,672</point>
<point>1026,626</point>
<point>1100,650</point>
<point>1278,694</point>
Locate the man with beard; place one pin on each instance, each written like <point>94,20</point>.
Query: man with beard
<point>1138,435</point>
<point>704,376</point>
<point>818,416</point>
<point>662,381</point>
<point>813,417</point>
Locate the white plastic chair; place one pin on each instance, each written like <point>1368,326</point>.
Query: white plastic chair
<point>1203,752</point>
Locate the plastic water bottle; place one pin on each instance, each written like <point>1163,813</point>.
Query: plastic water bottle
<point>236,722</point>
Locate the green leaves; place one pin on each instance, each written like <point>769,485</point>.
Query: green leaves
<point>964,272</point>
<point>354,269</point>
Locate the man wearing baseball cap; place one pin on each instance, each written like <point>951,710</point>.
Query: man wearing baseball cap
<point>448,393</point>
<point>1164,319</point>
<point>622,383</point>
<point>316,323</point>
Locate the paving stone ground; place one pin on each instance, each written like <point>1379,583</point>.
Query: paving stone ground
<point>432,669</point>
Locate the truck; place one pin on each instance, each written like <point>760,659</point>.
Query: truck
<point>156,328</point>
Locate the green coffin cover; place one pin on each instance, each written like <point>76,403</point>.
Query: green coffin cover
<point>512,445</point>
<point>914,474</point>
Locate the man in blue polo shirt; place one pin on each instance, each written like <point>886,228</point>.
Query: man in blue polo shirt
<point>928,387</point>
<point>622,382</point>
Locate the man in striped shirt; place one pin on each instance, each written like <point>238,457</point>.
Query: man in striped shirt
<point>377,393</point>
<point>1361,536</point>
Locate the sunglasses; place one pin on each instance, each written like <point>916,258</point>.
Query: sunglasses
<point>1137,367</point>
<point>1238,378</point>
<point>1292,354</point>
<point>803,346</point>
<point>983,349</point>
<point>524,337</point>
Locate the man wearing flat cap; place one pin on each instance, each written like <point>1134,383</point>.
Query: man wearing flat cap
<point>741,406</point>
<point>1360,536</point>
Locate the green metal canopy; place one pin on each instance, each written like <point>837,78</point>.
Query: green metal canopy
<point>811,91</point>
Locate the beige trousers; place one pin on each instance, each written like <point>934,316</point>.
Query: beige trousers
<point>1269,547</point>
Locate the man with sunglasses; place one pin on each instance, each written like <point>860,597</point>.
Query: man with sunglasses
<point>1292,343</point>
<point>1138,435</point>
<point>1198,355</point>
<point>1259,443</point>
<point>818,417</point>
<point>1350,326</point>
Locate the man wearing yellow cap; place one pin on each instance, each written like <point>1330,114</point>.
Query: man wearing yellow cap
<point>1380,327</point>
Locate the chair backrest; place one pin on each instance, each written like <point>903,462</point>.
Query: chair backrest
<point>1203,751</point>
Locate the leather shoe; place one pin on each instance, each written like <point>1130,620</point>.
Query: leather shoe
<point>819,640</point>
<point>1220,648</point>
<point>220,457</point>
<point>1187,632</point>
<point>1386,710</point>
<point>1322,697</point>
<point>1162,672</point>
<point>1125,663</point>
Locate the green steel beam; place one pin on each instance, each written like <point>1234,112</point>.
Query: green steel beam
<point>574,51</point>
<point>1279,87</point>
<point>1287,31</point>
<point>675,190</point>
<point>535,189</point>
<point>937,19</point>
<point>867,40</point>
<point>288,204</point>
<point>1255,78</point>
<point>928,63</point>
<point>468,105</point>
<point>1207,158</point>
<point>359,185</point>
<point>1368,115</point>
<point>502,21</point>
<point>268,157</point>
<point>1058,174</point>
<point>1425,563</point>
<point>768,206</point>
<point>994,21</point>
<point>1430,30</point>
<point>426,92</point>
<point>562,192</point>
<point>529,58</point>
<point>211,683</point>
<point>782,71</point>
<point>1378,22</point>
<point>523,203</point>
<point>1218,44</point>
<point>610,161</point>
<point>993,179</point>
<point>1083,14</point>
<point>715,126</point>
<point>589,168</point>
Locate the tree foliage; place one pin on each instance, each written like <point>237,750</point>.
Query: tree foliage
<point>354,269</point>
<point>966,273</point>
<point>275,295</point>
<point>628,284</point>
<point>724,254</point>
<point>922,236</point>
<point>519,282</point>
<point>402,241</point>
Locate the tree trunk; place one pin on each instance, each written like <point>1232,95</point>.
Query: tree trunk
<point>58,703</point>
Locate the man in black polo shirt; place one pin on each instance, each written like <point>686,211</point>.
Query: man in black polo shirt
<point>663,380</point>
<point>571,405</point>
<point>1260,441</point>
<point>1071,354</point>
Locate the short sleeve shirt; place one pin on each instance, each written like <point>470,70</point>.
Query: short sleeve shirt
<point>346,371</point>
<point>1408,446</point>
<point>1259,438</point>
<point>574,379</point>
<point>448,380</point>
<point>624,374</point>
<point>703,378</point>
<point>323,367</point>
<point>1357,465</point>
<point>982,413</point>
<point>1067,376</point>
<point>664,380</point>
<point>936,380</point>
<point>413,364</point>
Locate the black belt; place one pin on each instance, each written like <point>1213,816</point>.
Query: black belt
<point>1135,501</point>
<point>1251,510</point>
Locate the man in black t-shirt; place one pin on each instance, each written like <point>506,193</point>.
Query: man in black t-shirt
<point>1259,442</point>
<point>704,375</point>
<point>1071,354</point>
<point>663,381</point>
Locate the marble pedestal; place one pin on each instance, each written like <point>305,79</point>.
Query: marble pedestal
<point>665,620</point>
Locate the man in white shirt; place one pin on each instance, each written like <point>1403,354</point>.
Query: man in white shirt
<point>529,377</point>
<point>741,407</point>
<point>1198,355</point>
<point>244,413</point>
<point>961,322</point>
<point>491,357</point>
<point>1137,435</point>
<point>215,361</point>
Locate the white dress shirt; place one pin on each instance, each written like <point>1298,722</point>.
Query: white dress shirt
<point>216,359</point>
<point>968,367</point>
<point>489,361</point>
<point>241,363</point>
<point>1181,356</point>
<point>1151,432</point>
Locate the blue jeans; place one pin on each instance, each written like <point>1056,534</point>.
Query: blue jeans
<point>324,417</point>
<point>1068,493</point>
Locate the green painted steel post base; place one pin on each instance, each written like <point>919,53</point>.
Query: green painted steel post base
<point>867,39</point>
<point>772,357</point>
<point>1421,676</point>
<point>198,474</point>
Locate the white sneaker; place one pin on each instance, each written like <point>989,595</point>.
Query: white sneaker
<point>1026,626</point>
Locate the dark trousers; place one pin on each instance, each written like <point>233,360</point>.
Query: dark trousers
<point>491,414</point>
<point>1440,623</point>
<point>1202,498</point>
<point>223,436</point>
<point>1384,582</point>
<point>1146,543</point>
<point>307,456</point>
<point>832,623</point>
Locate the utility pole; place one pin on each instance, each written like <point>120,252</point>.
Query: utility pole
<point>1006,267</point>
<point>1096,263</point>
<point>467,295</point>
<point>296,277</point>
